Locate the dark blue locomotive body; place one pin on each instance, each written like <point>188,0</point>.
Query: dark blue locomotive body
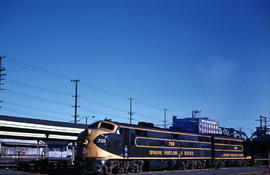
<point>116,147</point>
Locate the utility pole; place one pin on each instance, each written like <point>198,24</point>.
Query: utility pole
<point>76,96</point>
<point>130,110</point>
<point>1,74</point>
<point>165,120</point>
<point>263,125</point>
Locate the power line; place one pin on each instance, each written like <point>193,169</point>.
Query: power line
<point>38,87</point>
<point>35,68</point>
<point>103,113</point>
<point>83,98</point>
<point>38,98</point>
<point>83,84</point>
<point>29,113</point>
<point>34,108</point>
<point>55,102</point>
<point>148,104</point>
<point>104,91</point>
<point>146,116</point>
<point>30,67</point>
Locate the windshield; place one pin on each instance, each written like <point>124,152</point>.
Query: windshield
<point>106,126</point>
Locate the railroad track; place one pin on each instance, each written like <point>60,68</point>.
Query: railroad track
<point>222,171</point>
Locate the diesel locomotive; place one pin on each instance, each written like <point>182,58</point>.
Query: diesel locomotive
<point>112,147</point>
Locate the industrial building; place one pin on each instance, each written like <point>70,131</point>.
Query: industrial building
<point>199,125</point>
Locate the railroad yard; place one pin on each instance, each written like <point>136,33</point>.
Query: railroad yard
<point>221,171</point>
<point>135,87</point>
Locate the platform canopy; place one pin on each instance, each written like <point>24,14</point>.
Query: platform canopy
<point>35,129</point>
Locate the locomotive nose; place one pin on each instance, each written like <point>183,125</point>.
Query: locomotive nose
<point>87,134</point>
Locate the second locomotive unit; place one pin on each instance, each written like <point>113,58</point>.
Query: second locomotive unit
<point>111,147</point>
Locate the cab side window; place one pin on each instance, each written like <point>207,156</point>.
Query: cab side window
<point>119,131</point>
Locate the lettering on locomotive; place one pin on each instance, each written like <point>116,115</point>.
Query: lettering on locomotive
<point>101,140</point>
<point>187,153</point>
<point>165,153</point>
<point>155,152</point>
<point>232,155</point>
<point>170,153</point>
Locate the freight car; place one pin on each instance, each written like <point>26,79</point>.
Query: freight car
<point>111,147</point>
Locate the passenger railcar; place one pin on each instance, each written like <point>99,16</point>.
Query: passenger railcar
<point>110,147</point>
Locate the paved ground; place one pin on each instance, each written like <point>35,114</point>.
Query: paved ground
<point>223,171</point>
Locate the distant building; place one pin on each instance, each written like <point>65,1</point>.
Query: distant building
<point>199,125</point>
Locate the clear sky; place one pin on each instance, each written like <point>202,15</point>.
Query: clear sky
<point>181,55</point>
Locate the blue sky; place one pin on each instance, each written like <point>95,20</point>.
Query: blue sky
<point>180,55</point>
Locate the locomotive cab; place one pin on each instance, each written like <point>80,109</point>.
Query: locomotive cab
<point>92,145</point>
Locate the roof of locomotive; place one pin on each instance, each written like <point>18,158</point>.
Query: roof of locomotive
<point>126,125</point>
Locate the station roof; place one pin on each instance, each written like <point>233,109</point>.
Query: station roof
<point>43,122</point>
<point>29,128</point>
